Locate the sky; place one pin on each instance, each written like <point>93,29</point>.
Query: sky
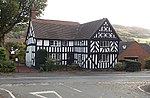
<point>121,12</point>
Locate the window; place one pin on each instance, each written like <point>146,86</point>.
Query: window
<point>58,56</point>
<point>64,43</point>
<point>104,44</point>
<point>55,43</point>
<point>39,42</point>
<point>51,43</point>
<point>79,58</point>
<point>46,42</point>
<point>103,58</point>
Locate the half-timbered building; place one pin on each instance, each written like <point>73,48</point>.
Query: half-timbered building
<point>92,45</point>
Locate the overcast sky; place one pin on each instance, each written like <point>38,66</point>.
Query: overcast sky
<point>123,12</point>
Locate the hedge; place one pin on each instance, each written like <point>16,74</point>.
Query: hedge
<point>147,63</point>
<point>129,65</point>
<point>2,53</point>
<point>7,66</point>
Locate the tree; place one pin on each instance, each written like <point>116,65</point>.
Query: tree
<point>13,12</point>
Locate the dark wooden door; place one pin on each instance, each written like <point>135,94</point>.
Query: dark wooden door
<point>70,58</point>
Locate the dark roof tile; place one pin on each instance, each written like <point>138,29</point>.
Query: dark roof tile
<point>88,29</point>
<point>54,29</point>
<point>124,45</point>
<point>50,29</point>
<point>146,47</point>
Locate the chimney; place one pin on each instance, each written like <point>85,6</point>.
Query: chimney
<point>33,12</point>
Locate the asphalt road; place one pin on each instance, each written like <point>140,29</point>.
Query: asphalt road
<point>74,85</point>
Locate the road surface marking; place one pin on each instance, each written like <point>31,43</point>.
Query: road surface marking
<point>137,76</point>
<point>45,92</point>
<point>139,87</point>
<point>8,92</point>
<point>71,87</point>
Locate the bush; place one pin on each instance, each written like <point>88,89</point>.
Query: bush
<point>7,66</point>
<point>20,53</point>
<point>11,46</point>
<point>8,45</point>
<point>2,53</point>
<point>132,66</point>
<point>119,66</point>
<point>73,66</point>
<point>147,63</point>
<point>41,56</point>
<point>51,65</point>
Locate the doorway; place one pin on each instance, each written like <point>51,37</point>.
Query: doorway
<point>70,58</point>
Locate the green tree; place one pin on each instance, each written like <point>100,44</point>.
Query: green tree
<point>20,53</point>
<point>13,12</point>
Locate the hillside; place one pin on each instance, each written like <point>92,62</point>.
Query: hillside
<point>133,33</point>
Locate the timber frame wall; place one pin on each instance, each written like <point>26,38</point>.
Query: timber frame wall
<point>98,52</point>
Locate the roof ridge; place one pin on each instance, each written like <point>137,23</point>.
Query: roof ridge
<point>93,21</point>
<point>56,22</point>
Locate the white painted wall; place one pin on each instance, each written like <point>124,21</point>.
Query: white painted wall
<point>30,56</point>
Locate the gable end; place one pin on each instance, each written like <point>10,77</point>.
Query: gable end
<point>106,32</point>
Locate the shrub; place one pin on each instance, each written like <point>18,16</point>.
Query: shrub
<point>2,53</point>
<point>41,55</point>
<point>11,46</point>
<point>7,66</point>
<point>147,63</point>
<point>8,45</point>
<point>119,66</point>
<point>20,53</point>
<point>50,64</point>
<point>132,66</point>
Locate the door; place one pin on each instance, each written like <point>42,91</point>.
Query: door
<point>70,58</point>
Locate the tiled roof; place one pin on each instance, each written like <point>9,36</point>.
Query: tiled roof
<point>88,29</point>
<point>54,29</point>
<point>124,45</point>
<point>146,47</point>
<point>50,29</point>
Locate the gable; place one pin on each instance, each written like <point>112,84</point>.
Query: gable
<point>134,49</point>
<point>105,32</point>
<point>86,30</point>
<point>30,38</point>
<point>124,45</point>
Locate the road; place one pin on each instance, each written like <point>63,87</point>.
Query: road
<point>75,85</point>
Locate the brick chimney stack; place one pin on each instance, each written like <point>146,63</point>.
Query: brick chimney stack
<point>33,12</point>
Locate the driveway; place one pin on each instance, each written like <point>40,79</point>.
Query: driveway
<point>75,85</point>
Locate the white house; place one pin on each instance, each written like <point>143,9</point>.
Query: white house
<point>93,45</point>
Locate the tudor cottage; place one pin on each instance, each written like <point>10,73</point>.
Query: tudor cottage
<point>92,45</point>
